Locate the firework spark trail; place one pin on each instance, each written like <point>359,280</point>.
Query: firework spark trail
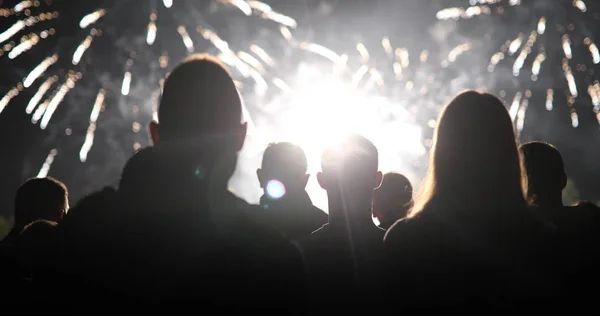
<point>152,29</point>
<point>14,29</point>
<point>262,55</point>
<point>525,51</point>
<point>47,164</point>
<point>126,83</point>
<point>516,44</point>
<point>541,28</point>
<point>37,97</point>
<point>37,115</point>
<point>593,50</point>
<point>566,45</point>
<point>85,44</point>
<point>522,111</point>
<point>279,83</point>
<point>403,57</point>
<point>23,5</point>
<point>91,18</point>
<point>570,79</point>
<point>359,74</point>
<point>39,70</point>
<point>495,60</point>
<point>594,92</point>
<point>364,53</point>
<point>462,13</point>
<point>22,24</point>
<point>240,4</point>
<point>89,137</point>
<point>187,41</point>
<point>57,99</point>
<point>549,99</point>
<point>579,4</point>
<point>32,40</point>
<point>514,106</point>
<point>458,50</point>
<point>250,60</point>
<point>287,34</point>
<point>259,6</point>
<point>323,51</point>
<point>387,46</point>
<point>9,95</point>
<point>574,118</point>
<point>537,65</point>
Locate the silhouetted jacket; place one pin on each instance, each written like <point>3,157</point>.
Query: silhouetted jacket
<point>451,261</point>
<point>345,266</point>
<point>169,238</point>
<point>294,215</point>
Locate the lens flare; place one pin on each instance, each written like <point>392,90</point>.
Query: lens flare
<point>275,189</point>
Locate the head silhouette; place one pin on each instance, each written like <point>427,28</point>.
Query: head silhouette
<point>349,175</point>
<point>200,103</point>
<point>545,172</point>
<point>393,198</point>
<point>40,198</point>
<point>474,162</point>
<point>283,164</point>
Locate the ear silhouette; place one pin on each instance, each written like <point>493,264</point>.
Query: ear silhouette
<point>322,179</point>
<point>378,179</point>
<point>305,180</point>
<point>241,135</point>
<point>154,132</point>
<point>260,176</point>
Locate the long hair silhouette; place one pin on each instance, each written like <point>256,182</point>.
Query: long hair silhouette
<point>474,160</point>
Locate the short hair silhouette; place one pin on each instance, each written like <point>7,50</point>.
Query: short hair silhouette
<point>545,170</point>
<point>394,196</point>
<point>349,175</point>
<point>285,162</point>
<point>40,198</point>
<point>351,160</point>
<point>199,101</point>
<point>474,161</point>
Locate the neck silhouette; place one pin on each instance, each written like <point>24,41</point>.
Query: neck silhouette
<point>350,207</point>
<point>549,200</point>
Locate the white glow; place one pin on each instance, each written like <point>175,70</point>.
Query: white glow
<point>39,70</point>
<point>126,83</point>
<point>168,3</point>
<point>151,37</point>
<point>320,108</point>
<point>81,49</point>
<point>47,164</point>
<point>37,97</point>
<point>91,18</point>
<point>275,189</point>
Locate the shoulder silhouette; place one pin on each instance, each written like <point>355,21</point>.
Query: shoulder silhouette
<point>345,256</point>
<point>285,203</point>
<point>470,218</point>
<point>392,200</point>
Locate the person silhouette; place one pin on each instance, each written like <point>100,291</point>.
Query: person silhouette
<point>578,225</point>
<point>38,198</point>
<point>471,240</point>
<point>175,219</point>
<point>392,200</point>
<point>547,179</point>
<point>285,202</point>
<point>345,256</point>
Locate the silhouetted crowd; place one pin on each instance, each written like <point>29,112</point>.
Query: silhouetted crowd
<point>487,229</point>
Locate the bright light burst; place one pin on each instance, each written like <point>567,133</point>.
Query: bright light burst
<point>301,90</point>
